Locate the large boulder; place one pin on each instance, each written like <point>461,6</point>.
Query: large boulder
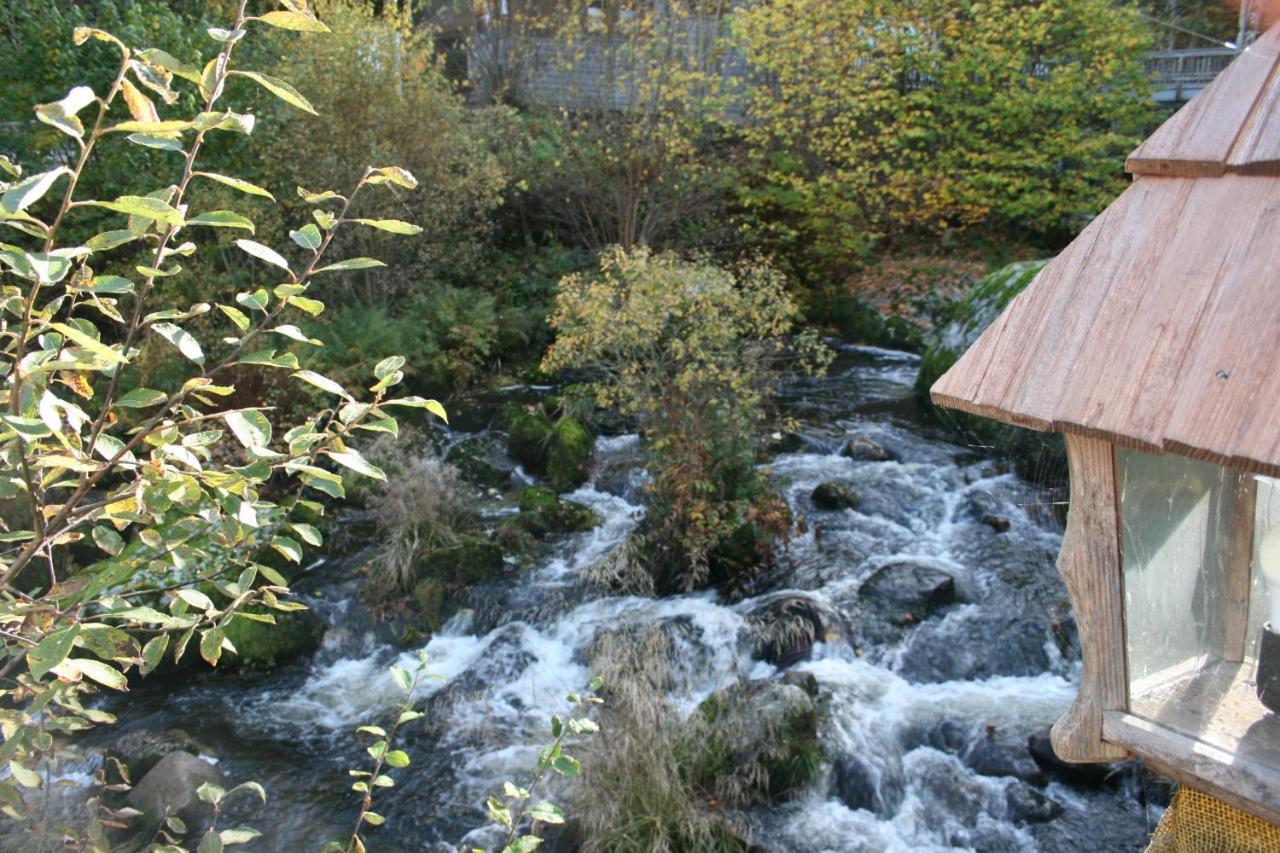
<point>569,452</point>
<point>170,788</point>
<point>906,592</point>
<point>293,635</point>
<point>995,757</point>
<point>1038,456</point>
<point>834,496</point>
<point>141,749</point>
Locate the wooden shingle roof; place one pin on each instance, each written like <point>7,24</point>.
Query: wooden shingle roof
<point>1159,326</point>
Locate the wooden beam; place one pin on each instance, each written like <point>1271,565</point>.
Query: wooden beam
<point>1249,786</point>
<point>1090,566</point>
<point>1238,561</point>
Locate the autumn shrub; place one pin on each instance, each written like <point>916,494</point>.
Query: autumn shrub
<point>884,122</point>
<point>691,350</point>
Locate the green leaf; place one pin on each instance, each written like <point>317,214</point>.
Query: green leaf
<point>395,226</point>
<point>388,366</point>
<point>314,307</point>
<point>499,812</point>
<point>171,64</point>
<point>280,89</point>
<point>9,167</point>
<point>252,429</point>
<point>431,406</point>
<point>27,192</point>
<point>62,114</point>
<point>91,344</point>
<point>263,253</point>
<point>293,333</point>
<point>140,398</point>
<point>108,540</point>
<point>523,844</point>
<point>210,793</point>
<point>408,717</point>
<point>546,812</point>
<point>153,653</point>
<point>222,219</point>
<point>257,301</point>
<point>351,264</point>
<point>377,731</point>
<point>374,819</point>
<point>402,678</point>
<point>108,240</point>
<point>52,650</point>
<point>109,643</point>
<point>25,777</point>
<point>29,429</point>
<point>100,672</point>
<point>152,209</point>
<point>161,143</point>
<point>566,766</point>
<point>308,237</point>
<point>196,599</point>
<point>239,835</point>
<point>236,316</point>
<point>308,534</point>
<point>353,460</point>
<point>288,548</point>
<point>211,645</point>
<point>397,758</point>
<point>393,175</point>
<point>316,198</point>
<point>236,184</point>
<point>294,21</point>
<point>180,338</point>
<point>324,383</point>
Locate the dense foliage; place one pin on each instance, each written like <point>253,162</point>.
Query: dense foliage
<point>886,120</point>
<point>690,349</point>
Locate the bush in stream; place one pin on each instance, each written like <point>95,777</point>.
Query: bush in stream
<point>421,507</point>
<point>145,509</point>
<point>691,350</point>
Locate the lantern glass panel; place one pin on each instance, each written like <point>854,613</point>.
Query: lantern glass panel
<point>1197,543</point>
<point>1176,533</point>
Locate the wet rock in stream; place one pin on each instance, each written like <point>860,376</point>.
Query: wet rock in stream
<point>864,449</point>
<point>908,592</point>
<point>977,646</point>
<point>834,496</point>
<point>170,788</point>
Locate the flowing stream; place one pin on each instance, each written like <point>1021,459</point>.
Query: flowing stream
<point>914,719</point>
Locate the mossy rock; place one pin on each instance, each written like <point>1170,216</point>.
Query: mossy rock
<point>569,455</point>
<point>527,440</point>
<point>430,599</point>
<point>468,562</point>
<point>542,513</point>
<point>295,634</point>
<point>970,317</point>
<point>1039,457</point>
<point>758,740</point>
<point>478,460</point>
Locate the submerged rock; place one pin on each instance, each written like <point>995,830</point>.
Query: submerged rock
<point>834,496</point>
<point>998,523</point>
<point>170,788</point>
<point>908,592</point>
<point>1027,805</point>
<point>865,450</point>
<point>976,648</point>
<point>992,757</point>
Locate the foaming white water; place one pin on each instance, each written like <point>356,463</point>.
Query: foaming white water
<point>618,518</point>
